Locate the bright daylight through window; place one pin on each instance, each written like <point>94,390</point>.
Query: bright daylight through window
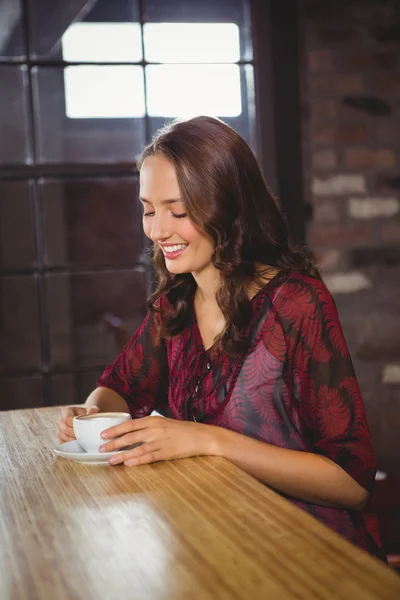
<point>194,70</point>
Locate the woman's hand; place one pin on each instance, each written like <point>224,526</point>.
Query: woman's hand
<point>65,430</point>
<point>160,438</point>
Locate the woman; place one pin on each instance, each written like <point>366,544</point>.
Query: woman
<point>242,344</point>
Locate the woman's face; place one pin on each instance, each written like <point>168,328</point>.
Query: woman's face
<point>185,248</point>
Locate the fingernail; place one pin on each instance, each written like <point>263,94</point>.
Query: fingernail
<point>102,448</point>
<point>104,435</point>
<point>113,461</point>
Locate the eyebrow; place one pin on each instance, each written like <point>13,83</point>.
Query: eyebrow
<point>170,201</point>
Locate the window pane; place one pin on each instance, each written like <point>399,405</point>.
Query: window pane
<point>11,44</point>
<point>21,392</point>
<point>92,222</point>
<point>187,90</point>
<point>206,11</point>
<point>51,20</point>
<point>244,123</point>
<point>84,140</point>
<point>102,42</point>
<point>63,390</point>
<point>14,146</point>
<point>59,317</point>
<point>86,381</point>
<point>19,332</point>
<point>79,305</point>
<point>104,92</point>
<point>191,42</point>
<point>16,215</point>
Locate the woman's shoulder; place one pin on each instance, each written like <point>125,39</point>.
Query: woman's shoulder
<point>292,283</point>
<point>301,293</point>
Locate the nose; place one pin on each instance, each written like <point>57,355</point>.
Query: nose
<point>160,228</point>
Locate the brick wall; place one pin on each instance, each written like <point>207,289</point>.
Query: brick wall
<point>351,129</point>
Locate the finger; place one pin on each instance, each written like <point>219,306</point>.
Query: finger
<point>76,412</point>
<point>150,451</point>
<point>64,438</point>
<point>65,411</point>
<point>135,437</point>
<point>67,415</point>
<point>146,459</point>
<point>69,412</point>
<point>131,425</point>
<point>68,420</point>
<point>65,430</point>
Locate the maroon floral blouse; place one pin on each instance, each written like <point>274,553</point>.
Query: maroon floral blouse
<point>295,388</point>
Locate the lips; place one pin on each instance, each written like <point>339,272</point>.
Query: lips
<point>174,251</point>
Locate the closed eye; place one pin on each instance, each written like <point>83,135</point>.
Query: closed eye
<point>151,214</point>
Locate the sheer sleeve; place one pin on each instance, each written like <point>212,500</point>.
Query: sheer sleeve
<point>140,373</point>
<point>325,388</point>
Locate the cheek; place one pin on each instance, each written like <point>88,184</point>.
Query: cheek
<point>146,227</point>
<point>188,232</point>
<point>207,247</point>
<point>203,245</point>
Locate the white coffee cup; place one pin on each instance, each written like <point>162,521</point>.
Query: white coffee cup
<point>88,428</point>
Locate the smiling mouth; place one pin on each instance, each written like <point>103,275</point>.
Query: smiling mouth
<point>174,250</point>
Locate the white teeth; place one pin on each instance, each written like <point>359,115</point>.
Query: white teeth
<point>174,248</point>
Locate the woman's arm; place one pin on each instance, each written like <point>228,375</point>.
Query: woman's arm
<point>106,400</point>
<point>337,466</point>
<point>302,475</point>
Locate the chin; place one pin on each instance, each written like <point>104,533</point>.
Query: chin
<point>175,268</point>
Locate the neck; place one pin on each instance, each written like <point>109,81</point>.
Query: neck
<point>208,281</point>
<point>207,284</point>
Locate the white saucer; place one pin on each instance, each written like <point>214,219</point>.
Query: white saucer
<point>75,452</point>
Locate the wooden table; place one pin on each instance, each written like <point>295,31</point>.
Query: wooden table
<point>190,529</point>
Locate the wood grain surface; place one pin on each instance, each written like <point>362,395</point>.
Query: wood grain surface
<point>191,529</point>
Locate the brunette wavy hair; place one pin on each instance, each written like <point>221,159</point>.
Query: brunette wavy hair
<point>227,198</point>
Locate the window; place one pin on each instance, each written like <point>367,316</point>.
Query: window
<point>84,85</point>
<point>107,75</point>
<point>197,74</point>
